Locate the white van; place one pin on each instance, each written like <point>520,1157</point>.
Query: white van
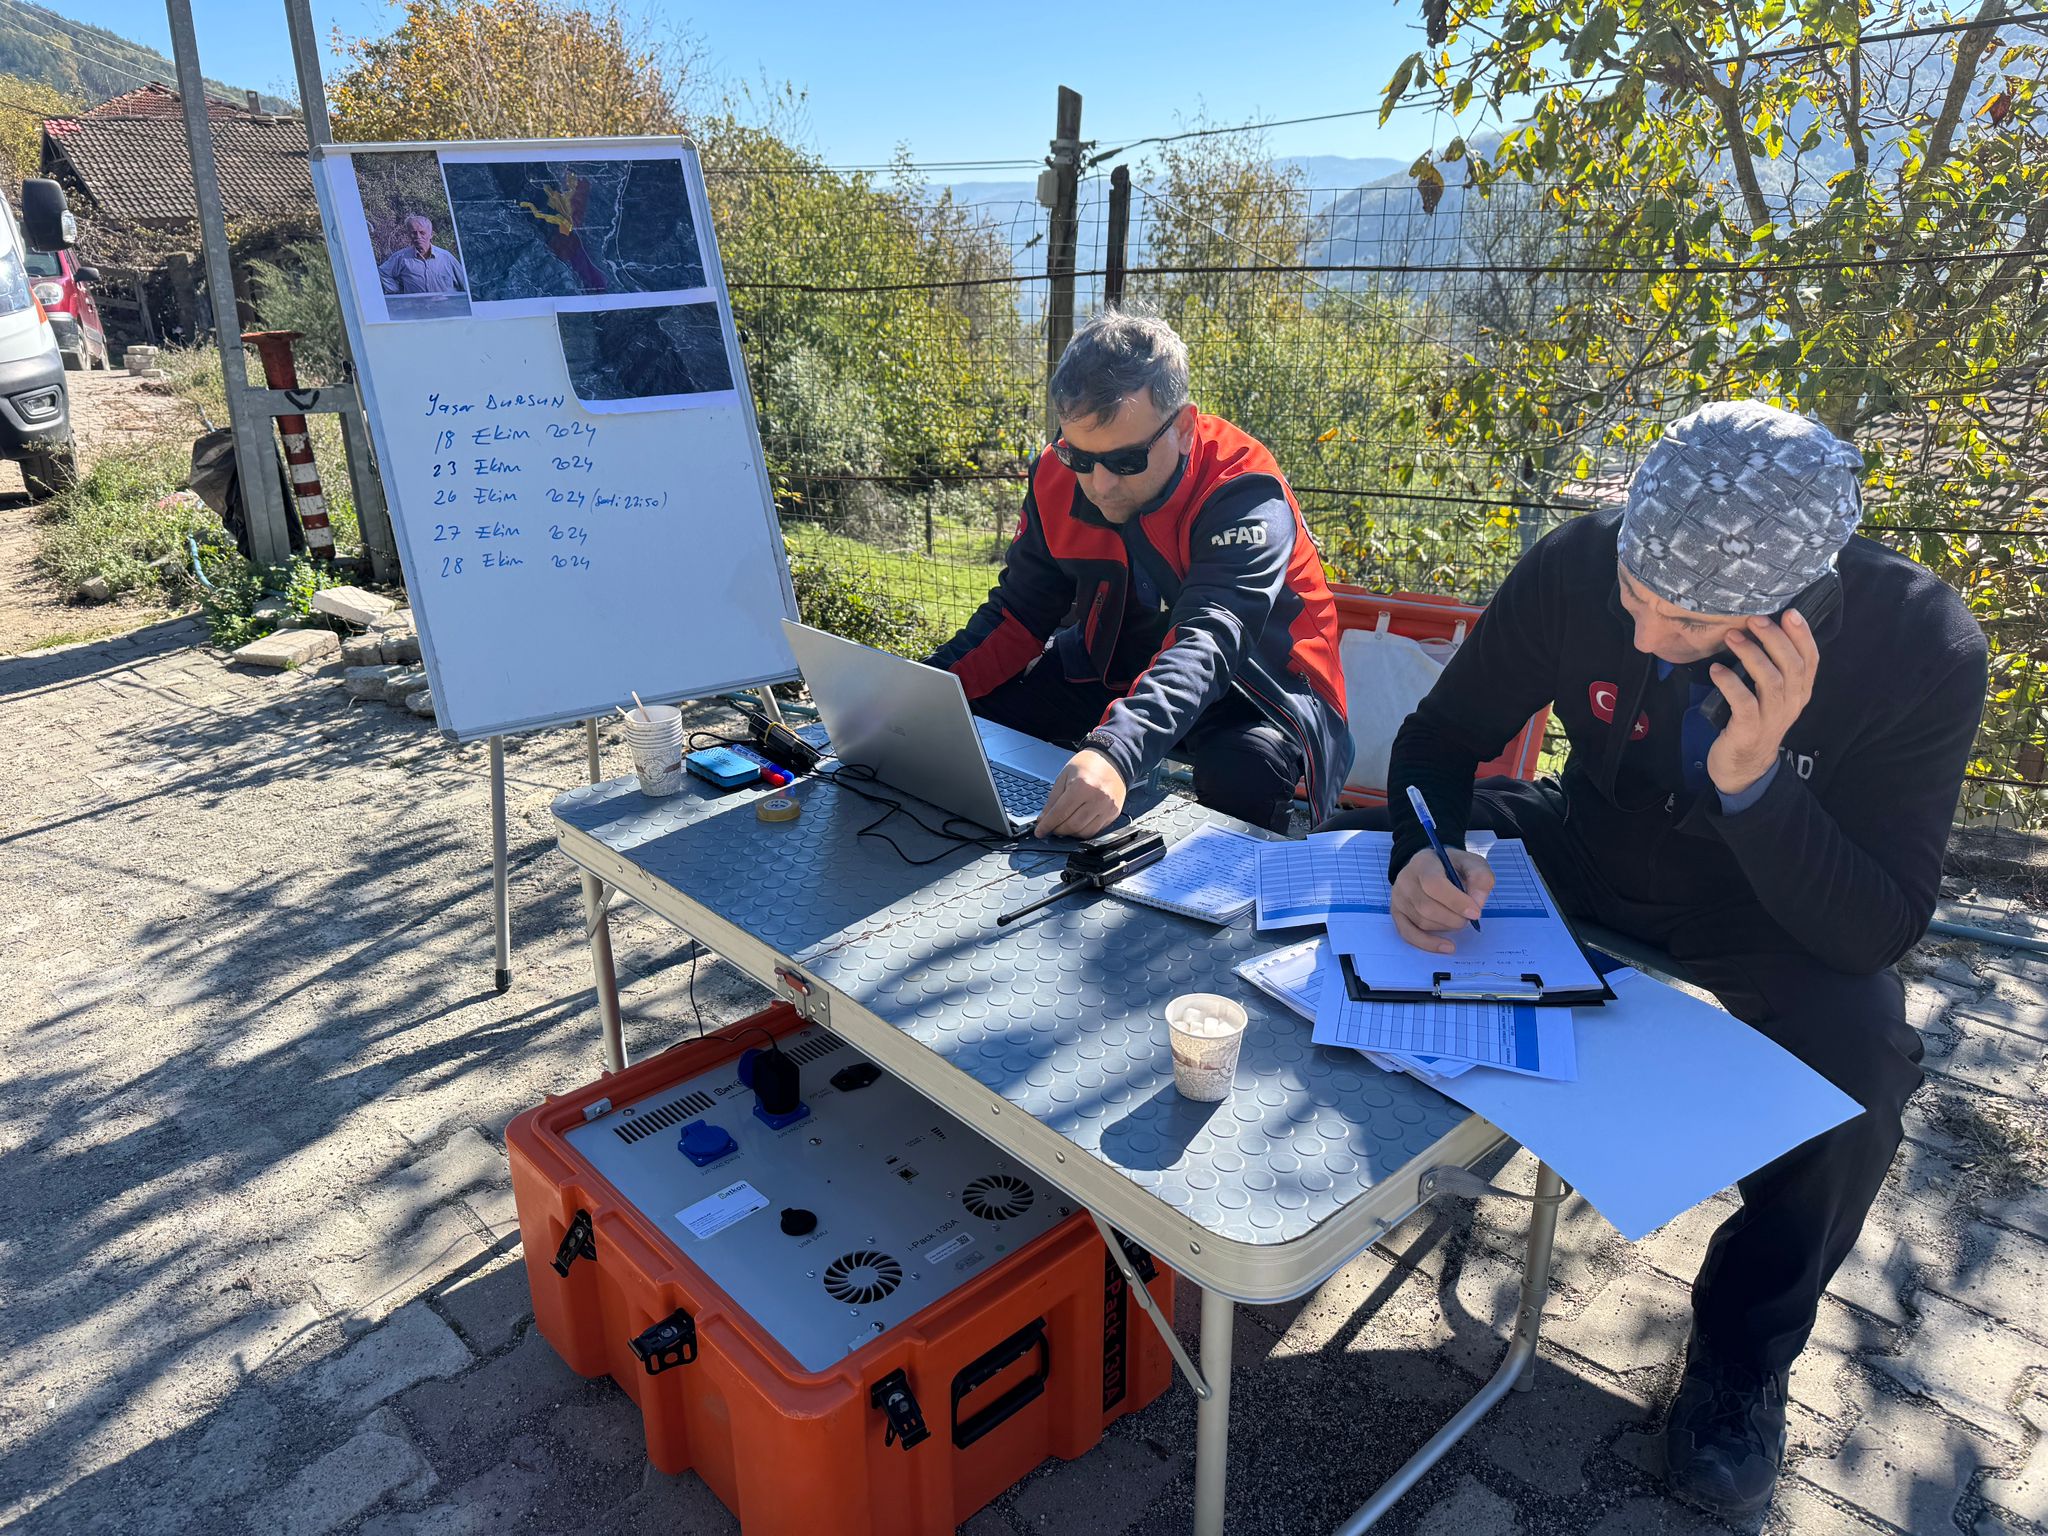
<point>35,406</point>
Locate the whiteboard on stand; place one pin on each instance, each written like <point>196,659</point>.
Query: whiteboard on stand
<point>553,383</point>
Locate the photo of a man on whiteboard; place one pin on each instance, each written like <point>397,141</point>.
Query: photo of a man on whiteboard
<point>415,244</point>
<point>420,266</point>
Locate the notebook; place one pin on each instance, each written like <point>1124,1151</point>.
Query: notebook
<point>1211,874</point>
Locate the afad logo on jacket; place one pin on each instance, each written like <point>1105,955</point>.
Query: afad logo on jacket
<point>1601,697</point>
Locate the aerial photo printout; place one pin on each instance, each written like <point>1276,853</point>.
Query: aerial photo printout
<point>650,352</point>
<point>574,229</point>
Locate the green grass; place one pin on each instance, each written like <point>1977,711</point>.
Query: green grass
<point>944,590</point>
<point>116,521</point>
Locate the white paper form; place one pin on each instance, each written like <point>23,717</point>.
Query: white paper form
<point>1322,875</point>
<point>1675,1101</point>
<point>1521,934</point>
<point>1209,874</point>
<point>1294,977</point>
<point>1514,1037</point>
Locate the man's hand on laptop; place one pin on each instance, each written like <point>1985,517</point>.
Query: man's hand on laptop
<point>1086,797</point>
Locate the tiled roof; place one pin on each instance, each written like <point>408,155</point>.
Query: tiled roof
<point>135,167</point>
<point>153,100</point>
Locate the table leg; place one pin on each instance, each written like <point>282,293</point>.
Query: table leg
<point>501,910</point>
<point>1212,1414</point>
<point>597,924</point>
<point>1517,1371</point>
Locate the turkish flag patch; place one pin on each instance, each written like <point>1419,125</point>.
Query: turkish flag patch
<point>1601,697</point>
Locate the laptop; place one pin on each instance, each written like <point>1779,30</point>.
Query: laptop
<point>910,724</point>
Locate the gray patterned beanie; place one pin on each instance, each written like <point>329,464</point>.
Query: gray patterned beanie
<point>1740,507</point>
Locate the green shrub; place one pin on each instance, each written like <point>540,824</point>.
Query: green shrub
<point>853,603</point>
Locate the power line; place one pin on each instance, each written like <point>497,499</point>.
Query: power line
<point>101,59</point>
<point>1424,269</point>
<point>1906,34</point>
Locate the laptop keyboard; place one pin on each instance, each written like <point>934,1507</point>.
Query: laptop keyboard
<point>1022,797</point>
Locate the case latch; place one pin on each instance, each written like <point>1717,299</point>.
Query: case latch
<point>670,1342</point>
<point>577,1243</point>
<point>906,1420</point>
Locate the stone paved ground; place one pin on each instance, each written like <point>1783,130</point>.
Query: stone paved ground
<point>259,1260</point>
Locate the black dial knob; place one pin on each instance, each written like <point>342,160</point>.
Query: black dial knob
<point>797,1222</point>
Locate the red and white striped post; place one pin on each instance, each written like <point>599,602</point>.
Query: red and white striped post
<point>281,372</point>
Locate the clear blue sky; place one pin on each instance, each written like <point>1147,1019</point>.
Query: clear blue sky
<point>960,81</point>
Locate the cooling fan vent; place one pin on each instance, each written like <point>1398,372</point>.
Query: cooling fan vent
<point>861,1278</point>
<point>997,1197</point>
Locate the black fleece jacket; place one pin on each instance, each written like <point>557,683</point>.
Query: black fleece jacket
<point>1840,857</point>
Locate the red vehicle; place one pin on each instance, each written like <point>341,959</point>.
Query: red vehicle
<point>65,289</point>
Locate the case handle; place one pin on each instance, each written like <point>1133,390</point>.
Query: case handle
<point>980,1372</point>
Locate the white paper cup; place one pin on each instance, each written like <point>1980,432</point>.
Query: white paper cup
<point>656,737</point>
<point>1207,1032</point>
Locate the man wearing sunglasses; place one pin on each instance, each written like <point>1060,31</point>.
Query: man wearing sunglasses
<point>1161,593</point>
<point>1769,722</point>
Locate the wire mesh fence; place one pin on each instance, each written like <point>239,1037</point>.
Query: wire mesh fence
<point>1442,382</point>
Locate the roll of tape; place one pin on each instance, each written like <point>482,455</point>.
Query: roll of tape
<point>777,808</point>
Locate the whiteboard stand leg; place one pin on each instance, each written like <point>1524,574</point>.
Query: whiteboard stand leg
<point>769,704</point>
<point>590,748</point>
<point>502,915</point>
<point>598,926</point>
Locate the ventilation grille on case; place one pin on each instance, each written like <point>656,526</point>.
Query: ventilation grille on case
<point>810,1050</point>
<point>675,1112</point>
<point>860,1278</point>
<point>997,1197</point>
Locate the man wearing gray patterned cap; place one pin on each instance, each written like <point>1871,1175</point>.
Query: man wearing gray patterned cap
<point>1778,829</point>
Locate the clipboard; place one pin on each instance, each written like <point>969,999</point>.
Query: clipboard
<point>1485,987</point>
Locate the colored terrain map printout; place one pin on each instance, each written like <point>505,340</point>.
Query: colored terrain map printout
<point>574,229</point>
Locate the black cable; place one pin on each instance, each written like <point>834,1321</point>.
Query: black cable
<point>850,777</point>
<point>699,1012</point>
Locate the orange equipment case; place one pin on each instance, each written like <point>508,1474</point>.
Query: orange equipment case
<point>796,1451</point>
<point>1426,616</point>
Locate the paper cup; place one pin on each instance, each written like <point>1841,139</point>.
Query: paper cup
<point>656,737</point>
<point>1207,1032</point>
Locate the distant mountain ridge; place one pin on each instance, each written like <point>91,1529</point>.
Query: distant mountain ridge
<point>91,63</point>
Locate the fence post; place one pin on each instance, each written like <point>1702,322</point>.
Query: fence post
<point>269,542</point>
<point>373,518</point>
<point>1118,256</point>
<point>1063,233</point>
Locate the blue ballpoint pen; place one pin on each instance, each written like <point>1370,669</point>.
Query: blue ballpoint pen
<point>1429,830</point>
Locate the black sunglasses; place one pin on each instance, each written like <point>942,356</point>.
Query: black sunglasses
<point>1118,461</point>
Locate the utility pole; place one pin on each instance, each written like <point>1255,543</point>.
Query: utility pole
<point>255,460</point>
<point>1060,190</point>
<point>373,517</point>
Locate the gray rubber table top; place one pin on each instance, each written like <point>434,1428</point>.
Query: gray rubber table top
<point>1060,1014</point>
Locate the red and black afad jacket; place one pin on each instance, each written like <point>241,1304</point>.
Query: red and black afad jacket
<point>1247,607</point>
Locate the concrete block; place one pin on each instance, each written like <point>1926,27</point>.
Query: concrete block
<point>2017,1004</point>
<point>467,1167</point>
<point>669,1506</point>
<point>2004,1274</point>
<point>403,682</point>
<point>1797,1510</point>
<point>412,1347</point>
<point>461,1420</point>
<point>1820,1376</point>
<point>1998,1061</point>
<point>497,1500</point>
<point>362,651</point>
<point>368,682</point>
<point>367,1287</point>
<point>1638,1322</point>
<point>1904,1464</point>
<point>287,649</point>
<point>352,605</point>
<point>1654,1517</point>
<point>1547,1435</point>
<point>421,703</point>
<point>403,650</point>
<point>2025,1494</point>
<point>230,1459</point>
<point>1106,1490</point>
<point>2028,1211</point>
<point>1881,1271</point>
<point>378,1460</point>
<point>489,1305</point>
<point>1677,1248</point>
<point>1470,1509</point>
<point>1966,1364</point>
